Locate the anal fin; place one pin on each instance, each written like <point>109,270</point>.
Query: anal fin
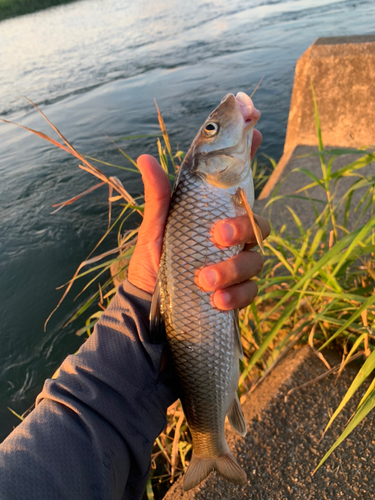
<point>257,232</point>
<point>236,417</point>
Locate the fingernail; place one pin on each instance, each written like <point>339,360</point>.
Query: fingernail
<point>209,277</point>
<point>224,299</point>
<point>227,232</point>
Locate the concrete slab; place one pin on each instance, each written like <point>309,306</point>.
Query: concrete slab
<point>342,71</point>
<point>283,446</point>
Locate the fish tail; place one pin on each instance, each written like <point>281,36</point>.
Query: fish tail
<point>226,465</point>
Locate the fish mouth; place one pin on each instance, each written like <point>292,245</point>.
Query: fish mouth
<point>249,113</point>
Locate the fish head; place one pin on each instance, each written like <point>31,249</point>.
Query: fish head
<point>221,149</point>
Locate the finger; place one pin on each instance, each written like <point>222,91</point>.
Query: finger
<point>236,296</point>
<point>257,139</point>
<point>238,230</point>
<point>240,268</point>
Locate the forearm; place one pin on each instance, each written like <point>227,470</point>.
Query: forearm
<point>92,431</point>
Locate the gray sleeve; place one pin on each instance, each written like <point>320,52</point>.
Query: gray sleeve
<point>91,433</point>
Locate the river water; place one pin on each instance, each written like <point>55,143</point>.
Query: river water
<point>94,67</point>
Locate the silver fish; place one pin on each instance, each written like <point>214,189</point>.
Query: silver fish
<point>204,342</point>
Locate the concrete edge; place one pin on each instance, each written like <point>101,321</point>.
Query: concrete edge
<point>276,175</point>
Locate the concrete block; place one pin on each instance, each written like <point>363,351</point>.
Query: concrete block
<point>342,71</point>
<point>283,444</point>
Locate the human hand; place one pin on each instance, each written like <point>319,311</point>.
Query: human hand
<point>231,279</point>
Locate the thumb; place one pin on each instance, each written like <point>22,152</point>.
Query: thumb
<point>157,198</point>
<point>144,264</point>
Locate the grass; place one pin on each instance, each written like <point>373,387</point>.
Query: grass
<point>12,8</point>
<point>316,288</point>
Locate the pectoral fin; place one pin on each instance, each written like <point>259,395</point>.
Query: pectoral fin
<point>254,223</point>
<point>156,321</point>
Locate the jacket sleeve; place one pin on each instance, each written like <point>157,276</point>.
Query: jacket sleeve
<point>91,433</point>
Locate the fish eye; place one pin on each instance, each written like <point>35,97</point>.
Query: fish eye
<point>211,129</point>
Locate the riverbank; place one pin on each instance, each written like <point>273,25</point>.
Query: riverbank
<point>13,8</point>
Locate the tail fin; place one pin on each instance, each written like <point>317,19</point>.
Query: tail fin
<point>226,465</point>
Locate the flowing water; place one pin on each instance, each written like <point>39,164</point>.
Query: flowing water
<point>94,67</point>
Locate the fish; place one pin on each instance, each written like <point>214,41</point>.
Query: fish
<point>214,182</point>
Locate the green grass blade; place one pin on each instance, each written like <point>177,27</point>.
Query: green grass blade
<point>367,406</point>
<point>367,394</point>
<point>272,334</point>
<point>297,221</point>
<point>356,344</point>
<point>149,492</point>
<point>335,152</point>
<point>86,328</point>
<point>254,310</point>
<point>281,258</point>
<point>317,124</point>
<point>294,197</point>
<point>165,135</point>
<point>338,247</point>
<point>318,239</point>
<point>358,238</point>
<point>271,160</point>
<point>113,165</point>
<point>363,373</point>
<point>15,414</point>
<point>317,181</point>
<point>162,156</point>
<point>356,165</point>
<point>347,324</point>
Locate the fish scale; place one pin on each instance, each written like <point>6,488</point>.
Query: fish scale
<point>200,337</point>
